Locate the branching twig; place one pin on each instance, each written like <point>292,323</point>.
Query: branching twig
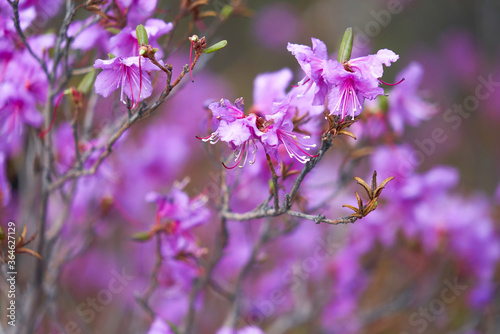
<point>143,112</point>
<point>221,244</point>
<point>264,211</point>
<point>143,299</point>
<point>17,24</point>
<point>322,219</point>
<point>262,239</point>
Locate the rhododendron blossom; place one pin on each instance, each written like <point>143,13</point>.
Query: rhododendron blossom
<point>128,74</point>
<point>99,122</point>
<point>242,132</point>
<point>347,85</point>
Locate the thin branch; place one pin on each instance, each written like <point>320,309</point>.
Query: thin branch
<point>17,24</point>
<point>222,242</point>
<point>264,236</point>
<point>74,125</point>
<point>275,183</point>
<point>263,210</point>
<point>220,290</point>
<point>153,281</point>
<point>322,219</point>
<point>144,111</point>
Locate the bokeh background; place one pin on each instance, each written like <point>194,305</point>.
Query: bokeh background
<point>456,42</point>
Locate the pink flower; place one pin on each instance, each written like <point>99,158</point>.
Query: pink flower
<point>242,132</point>
<point>279,131</point>
<point>125,43</point>
<point>245,330</point>
<point>159,326</point>
<point>356,80</point>
<point>347,85</point>
<point>128,74</point>
<point>314,63</point>
<point>235,128</point>
<point>17,108</point>
<point>406,106</point>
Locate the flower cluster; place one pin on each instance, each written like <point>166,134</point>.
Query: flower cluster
<point>273,118</point>
<point>242,132</point>
<point>346,84</point>
<point>176,216</point>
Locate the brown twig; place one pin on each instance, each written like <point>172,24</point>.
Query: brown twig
<point>275,183</point>
<point>144,111</point>
<point>143,299</point>
<point>17,25</point>
<point>223,240</point>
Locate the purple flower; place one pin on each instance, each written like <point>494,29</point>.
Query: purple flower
<point>137,11</point>
<point>245,330</point>
<point>313,62</point>
<point>27,13</point>
<point>241,132</point>
<point>269,88</point>
<point>279,131</point>
<point>159,326</point>
<point>17,109</point>
<point>88,35</point>
<point>128,74</point>
<point>235,128</point>
<point>177,207</point>
<point>176,216</point>
<point>405,104</point>
<point>356,80</point>
<point>125,43</point>
<point>347,85</point>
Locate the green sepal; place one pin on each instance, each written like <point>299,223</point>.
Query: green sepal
<point>111,56</point>
<point>141,236</point>
<point>226,11</point>
<point>114,31</point>
<point>346,46</point>
<point>216,47</point>
<point>142,35</point>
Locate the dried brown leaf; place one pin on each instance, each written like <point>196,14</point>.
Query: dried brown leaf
<point>28,251</point>
<point>362,183</point>
<point>350,207</point>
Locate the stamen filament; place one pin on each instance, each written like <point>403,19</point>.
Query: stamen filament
<point>58,102</point>
<point>392,84</point>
